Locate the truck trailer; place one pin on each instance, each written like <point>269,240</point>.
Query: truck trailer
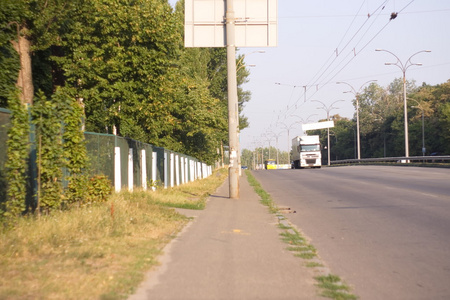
<point>306,152</point>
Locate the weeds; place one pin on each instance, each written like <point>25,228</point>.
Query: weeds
<point>334,288</point>
<point>101,251</point>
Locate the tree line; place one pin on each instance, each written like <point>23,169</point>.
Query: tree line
<point>381,119</point>
<point>124,62</point>
<point>105,66</point>
<point>381,115</point>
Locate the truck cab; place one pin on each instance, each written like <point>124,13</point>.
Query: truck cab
<point>306,152</point>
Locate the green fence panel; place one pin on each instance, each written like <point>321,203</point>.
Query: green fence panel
<point>100,151</point>
<point>5,116</point>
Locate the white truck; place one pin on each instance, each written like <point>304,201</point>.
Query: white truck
<point>306,152</point>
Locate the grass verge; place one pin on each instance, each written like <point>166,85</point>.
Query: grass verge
<point>331,286</point>
<point>96,252</point>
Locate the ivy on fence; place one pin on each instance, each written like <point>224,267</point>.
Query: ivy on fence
<point>59,143</point>
<point>16,164</point>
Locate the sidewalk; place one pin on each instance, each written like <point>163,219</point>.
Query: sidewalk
<point>231,250</point>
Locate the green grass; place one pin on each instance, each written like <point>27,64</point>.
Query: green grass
<point>265,197</point>
<point>333,287</point>
<point>313,264</point>
<point>98,252</point>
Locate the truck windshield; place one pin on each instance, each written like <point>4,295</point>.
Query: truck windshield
<point>310,148</point>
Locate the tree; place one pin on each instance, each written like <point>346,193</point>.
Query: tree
<point>434,101</point>
<point>32,26</point>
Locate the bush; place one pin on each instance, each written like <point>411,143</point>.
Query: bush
<point>84,190</point>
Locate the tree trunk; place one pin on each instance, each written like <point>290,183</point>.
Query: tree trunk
<point>25,79</point>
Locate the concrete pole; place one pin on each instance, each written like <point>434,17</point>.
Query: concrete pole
<point>406,115</point>
<point>233,171</point>
<point>357,126</point>
<point>328,136</point>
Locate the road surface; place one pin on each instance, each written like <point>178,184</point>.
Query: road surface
<point>384,230</point>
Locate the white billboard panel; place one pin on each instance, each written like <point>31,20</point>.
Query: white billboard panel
<point>256,23</point>
<point>319,125</point>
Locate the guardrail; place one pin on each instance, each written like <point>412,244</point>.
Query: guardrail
<point>400,160</point>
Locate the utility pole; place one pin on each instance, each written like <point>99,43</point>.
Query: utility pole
<point>233,171</point>
<point>356,93</point>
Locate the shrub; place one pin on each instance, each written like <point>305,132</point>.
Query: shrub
<point>84,190</point>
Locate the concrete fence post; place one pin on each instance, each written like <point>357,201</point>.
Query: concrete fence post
<point>154,169</point>
<point>117,171</point>
<point>166,170</point>
<point>191,170</point>
<point>186,167</point>
<point>177,169</point>
<point>182,169</point>
<point>144,169</point>
<point>172,178</point>
<point>130,170</point>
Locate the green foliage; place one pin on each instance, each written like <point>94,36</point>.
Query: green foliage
<point>84,190</point>
<point>9,64</point>
<point>10,14</point>
<point>127,64</point>
<point>382,122</point>
<point>17,155</point>
<point>46,117</point>
<point>74,144</point>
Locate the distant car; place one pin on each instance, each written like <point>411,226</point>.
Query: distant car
<point>436,154</point>
<point>244,167</point>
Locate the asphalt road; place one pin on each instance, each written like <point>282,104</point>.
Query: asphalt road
<point>384,230</point>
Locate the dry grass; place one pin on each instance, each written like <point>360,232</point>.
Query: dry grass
<point>99,252</point>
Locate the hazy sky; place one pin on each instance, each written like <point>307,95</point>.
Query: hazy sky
<point>321,42</point>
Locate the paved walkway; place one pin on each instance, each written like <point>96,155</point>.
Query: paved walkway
<point>231,250</point>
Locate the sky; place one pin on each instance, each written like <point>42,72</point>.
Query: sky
<point>323,42</point>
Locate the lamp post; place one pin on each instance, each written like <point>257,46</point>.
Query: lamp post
<point>404,67</point>
<point>276,135</point>
<point>302,120</point>
<point>239,62</point>
<point>268,139</point>
<point>327,109</point>
<point>288,129</point>
<point>356,93</point>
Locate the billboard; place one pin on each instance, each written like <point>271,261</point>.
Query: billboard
<point>256,23</point>
<point>319,125</point>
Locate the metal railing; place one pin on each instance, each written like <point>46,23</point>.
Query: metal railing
<point>400,160</point>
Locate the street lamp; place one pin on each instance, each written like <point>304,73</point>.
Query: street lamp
<point>404,67</point>
<point>327,109</point>
<point>276,135</point>
<point>356,93</point>
<point>288,128</point>
<point>302,120</point>
<point>239,62</point>
<point>268,139</point>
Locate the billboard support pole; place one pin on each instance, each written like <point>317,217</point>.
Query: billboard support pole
<point>233,124</point>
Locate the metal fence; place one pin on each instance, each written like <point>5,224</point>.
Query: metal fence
<point>126,162</point>
<point>130,163</point>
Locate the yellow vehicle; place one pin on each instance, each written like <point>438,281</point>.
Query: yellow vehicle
<point>270,164</point>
